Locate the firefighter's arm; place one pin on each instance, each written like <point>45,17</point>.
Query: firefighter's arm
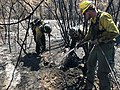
<point>111,30</point>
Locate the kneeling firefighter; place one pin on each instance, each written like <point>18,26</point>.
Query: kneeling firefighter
<point>39,29</point>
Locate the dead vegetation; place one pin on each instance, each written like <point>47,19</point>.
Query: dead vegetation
<point>44,73</point>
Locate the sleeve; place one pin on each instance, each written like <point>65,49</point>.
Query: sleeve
<point>111,29</point>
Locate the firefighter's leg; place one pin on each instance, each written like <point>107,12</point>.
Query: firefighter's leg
<point>38,41</point>
<point>91,66</point>
<point>37,48</point>
<point>103,68</point>
<point>43,42</point>
<point>86,50</point>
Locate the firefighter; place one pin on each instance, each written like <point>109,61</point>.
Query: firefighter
<point>102,32</point>
<point>76,35</point>
<point>39,29</point>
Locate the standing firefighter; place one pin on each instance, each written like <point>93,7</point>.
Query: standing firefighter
<point>102,32</point>
<point>39,29</point>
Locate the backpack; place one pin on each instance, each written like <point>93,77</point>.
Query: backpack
<point>47,28</point>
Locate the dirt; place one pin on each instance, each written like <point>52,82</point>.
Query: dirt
<point>36,72</point>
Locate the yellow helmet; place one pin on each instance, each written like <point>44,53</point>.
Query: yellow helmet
<point>84,5</point>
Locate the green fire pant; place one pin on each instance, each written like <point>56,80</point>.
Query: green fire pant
<point>96,57</point>
<point>40,41</point>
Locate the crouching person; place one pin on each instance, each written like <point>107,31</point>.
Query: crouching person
<point>39,29</point>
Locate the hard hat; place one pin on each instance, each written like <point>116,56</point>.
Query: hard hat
<point>38,22</point>
<point>84,5</point>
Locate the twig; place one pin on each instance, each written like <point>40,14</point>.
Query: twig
<point>29,17</point>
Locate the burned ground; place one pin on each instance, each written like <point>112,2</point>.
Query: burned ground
<point>44,73</point>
